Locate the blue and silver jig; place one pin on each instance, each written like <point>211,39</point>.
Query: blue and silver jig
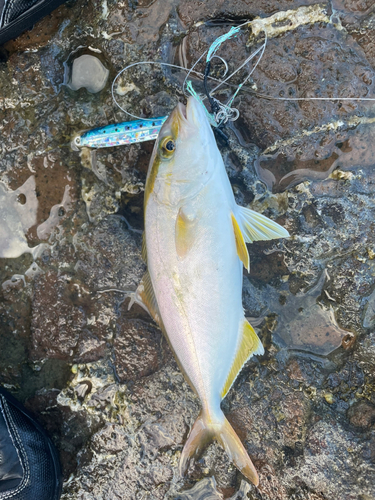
<point>121,133</point>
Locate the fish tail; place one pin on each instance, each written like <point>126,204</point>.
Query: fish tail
<point>205,430</point>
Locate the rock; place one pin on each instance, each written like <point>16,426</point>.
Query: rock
<point>136,349</point>
<point>362,415</point>
<point>101,379</point>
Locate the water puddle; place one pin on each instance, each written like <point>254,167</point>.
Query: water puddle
<point>314,160</point>
<point>18,210</point>
<point>369,319</point>
<point>206,490</point>
<point>304,324</point>
<point>85,70</point>
<point>28,224</point>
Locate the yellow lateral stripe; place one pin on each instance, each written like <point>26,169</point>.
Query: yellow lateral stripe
<point>242,252</point>
<point>249,345</point>
<point>151,176</point>
<point>144,248</point>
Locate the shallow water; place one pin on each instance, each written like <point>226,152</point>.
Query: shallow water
<point>101,379</point>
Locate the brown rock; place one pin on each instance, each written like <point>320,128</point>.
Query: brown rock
<point>137,349</point>
<point>362,415</point>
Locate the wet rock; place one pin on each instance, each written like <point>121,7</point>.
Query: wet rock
<point>109,257</point>
<point>322,457</point>
<point>271,486</point>
<point>136,349</point>
<point>362,415</point>
<point>369,319</point>
<point>304,325</point>
<point>224,13</point>
<point>55,333</point>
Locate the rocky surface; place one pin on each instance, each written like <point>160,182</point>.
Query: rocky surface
<point>102,379</point>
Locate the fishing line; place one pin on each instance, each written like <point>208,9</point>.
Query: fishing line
<point>223,112</point>
<point>226,110</point>
<point>191,70</point>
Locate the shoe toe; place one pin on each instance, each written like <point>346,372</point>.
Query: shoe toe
<point>29,466</point>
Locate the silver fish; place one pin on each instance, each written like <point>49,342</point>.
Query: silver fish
<point>195,249</point>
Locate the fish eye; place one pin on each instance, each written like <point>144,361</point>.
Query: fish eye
<point>168,146</point>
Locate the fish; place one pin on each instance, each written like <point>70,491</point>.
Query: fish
<point>195,249</point>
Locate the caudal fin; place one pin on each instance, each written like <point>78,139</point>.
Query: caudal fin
<point>204,431</point>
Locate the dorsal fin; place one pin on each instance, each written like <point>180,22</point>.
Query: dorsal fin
<point>257,227</point>
<point>242,252</point>
<point>249,344</point>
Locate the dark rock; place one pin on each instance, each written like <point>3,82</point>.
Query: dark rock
<point>362,415</point>
<point>137,349</point>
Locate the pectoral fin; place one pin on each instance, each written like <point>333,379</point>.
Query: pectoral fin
<point>257,227</point>
<point>242,252</point>
<point>249,344</point>
<point>184,234</point>
<point>144,296</point>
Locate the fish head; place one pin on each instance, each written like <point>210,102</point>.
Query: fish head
<point>184,155</point>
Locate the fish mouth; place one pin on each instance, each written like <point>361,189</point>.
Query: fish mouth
<point>181,110</point>
<point>191,113</point>
<point>191,116</point>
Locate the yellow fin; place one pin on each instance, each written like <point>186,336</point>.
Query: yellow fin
<point>204,431</point>
<point>242,252</point>
<point>249,345</point>
<point>184,234</point>
<point>259,227</point>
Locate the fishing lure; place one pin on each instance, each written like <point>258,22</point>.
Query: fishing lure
<point>121,133</point>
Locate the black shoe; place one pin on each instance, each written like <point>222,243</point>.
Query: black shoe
<point>17,16</point>
<point>29,465</point>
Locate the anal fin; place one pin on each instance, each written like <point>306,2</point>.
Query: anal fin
<point>249,344</point>
<point>242,252</point>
